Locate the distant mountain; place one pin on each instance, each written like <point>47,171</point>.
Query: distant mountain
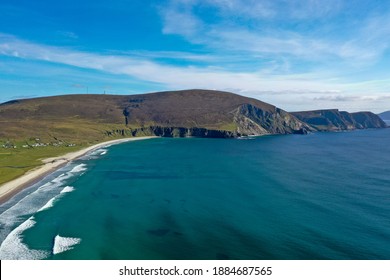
<point>201,113</point>
<point>335,120</point>
<point>385,116</point>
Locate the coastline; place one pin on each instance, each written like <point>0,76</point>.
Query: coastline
<point>11,188</point>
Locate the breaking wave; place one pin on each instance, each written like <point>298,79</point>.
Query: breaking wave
<point>62,244</point>
<point>36,198</point>
<point>48,205</point>
<point>67,189</point>
<point>99,152</point>
<point>13,248</point>
<point>79,168</point>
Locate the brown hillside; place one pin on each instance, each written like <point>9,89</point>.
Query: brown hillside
<point>91,116</point>
<point>335,120</point>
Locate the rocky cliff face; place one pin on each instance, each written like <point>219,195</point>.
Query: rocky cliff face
<point>335,120</point>
<point>210,110</point>
<point>367,120</point>
<point>174,132</point>
<point>252,120</point>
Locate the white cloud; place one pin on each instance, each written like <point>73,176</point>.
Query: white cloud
<point>189,24</point>
<point>307,9</point>
<point>251,8</point>
<point>174,55</point>
<point>172,76</point>
<point>268,32</point>
<point>289,91</point>
<point>265,9</point>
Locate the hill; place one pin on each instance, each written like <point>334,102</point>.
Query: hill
<point>335,120</point>
<point>201,113</point>
<point>385,116</point>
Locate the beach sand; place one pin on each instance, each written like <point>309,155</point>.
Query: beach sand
<point>11,188</point>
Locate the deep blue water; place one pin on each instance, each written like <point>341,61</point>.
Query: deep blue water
<point>319,196</point>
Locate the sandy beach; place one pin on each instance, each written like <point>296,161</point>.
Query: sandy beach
<point>9,189</point>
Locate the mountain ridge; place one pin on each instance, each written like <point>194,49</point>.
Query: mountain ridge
<point>336,120</point>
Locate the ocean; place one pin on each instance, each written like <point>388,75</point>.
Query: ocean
<point>316,196</point>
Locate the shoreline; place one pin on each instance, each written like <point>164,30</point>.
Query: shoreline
<point>11,188</point>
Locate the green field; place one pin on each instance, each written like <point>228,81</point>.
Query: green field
<point>16,162</point>
<point>59,140</point>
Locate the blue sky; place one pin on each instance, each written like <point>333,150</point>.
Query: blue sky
<point>295,54</point>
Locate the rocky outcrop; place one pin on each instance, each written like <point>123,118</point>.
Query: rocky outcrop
<point>210,110</point>
<point>252,120</point>
<point>367,120</point>
<point>335,120</point>
<point>174,132</point>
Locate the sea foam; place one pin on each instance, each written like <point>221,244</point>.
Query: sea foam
<point>79,168</point>
<point>61,178</point>
<point>56,182</point>
<point>48,204</point>
<point>42,197</point>
<point>67,189</point>
<point>13,248</point>
<point>100,152</point>
<point>62,244</point>
<point>32,203</point>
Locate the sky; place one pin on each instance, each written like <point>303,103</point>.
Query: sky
<point>295,54</point>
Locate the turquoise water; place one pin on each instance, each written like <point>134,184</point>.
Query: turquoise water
<point>319,196</point>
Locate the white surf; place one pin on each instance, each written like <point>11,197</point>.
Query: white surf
<point>62,244</point>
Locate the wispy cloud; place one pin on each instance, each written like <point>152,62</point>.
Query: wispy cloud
<point>251,8</point>
<point>291,89</point>
<point>309,9</point>
<point>172,76</point>
<point>174,55</point>
<point>270,33</point>
<point>265,9</point>
<point>78,86</point>
<point>189,23</point>
<point>68,34</point>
